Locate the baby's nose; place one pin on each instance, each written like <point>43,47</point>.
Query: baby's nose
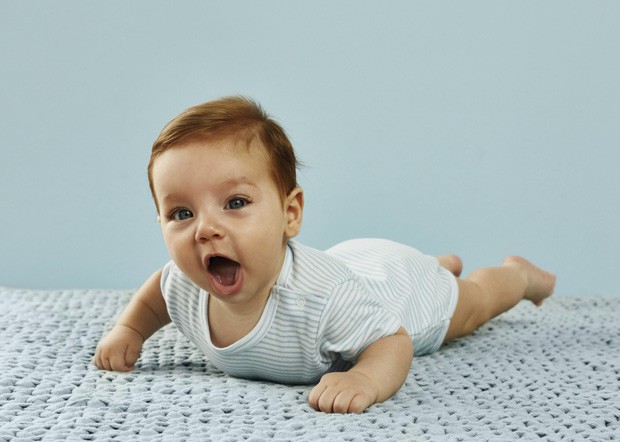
<point>208,228</point>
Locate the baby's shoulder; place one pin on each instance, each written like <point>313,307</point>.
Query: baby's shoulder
<point>314,271</point>
<point>175,283</point>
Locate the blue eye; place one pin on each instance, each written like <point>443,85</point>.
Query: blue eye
<point>236,203</point>
<point>181,214</point>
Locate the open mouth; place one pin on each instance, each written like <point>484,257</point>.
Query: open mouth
<point>223,270</point>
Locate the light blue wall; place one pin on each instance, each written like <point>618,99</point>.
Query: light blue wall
<point>482,128</point>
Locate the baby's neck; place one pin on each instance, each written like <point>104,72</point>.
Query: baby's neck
<point>230,323</point>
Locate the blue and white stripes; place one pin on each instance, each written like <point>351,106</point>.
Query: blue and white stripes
<point>411,285</point>
<point>325,309</point>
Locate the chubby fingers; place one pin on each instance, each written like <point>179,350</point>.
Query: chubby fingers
<point>119,349</point>
<point>330,400</point>
<point>335,394</point>
<point>114,359</point>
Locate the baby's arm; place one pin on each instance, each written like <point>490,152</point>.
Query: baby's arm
<point>144,315</point>
<point>379,373</point>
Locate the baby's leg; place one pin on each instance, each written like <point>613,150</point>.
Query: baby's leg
<point>488,292</point>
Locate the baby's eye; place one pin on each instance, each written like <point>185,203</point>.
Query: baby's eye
<point>181,214</point>
<point>236,203</point>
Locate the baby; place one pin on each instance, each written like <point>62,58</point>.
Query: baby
<point>263,306</point>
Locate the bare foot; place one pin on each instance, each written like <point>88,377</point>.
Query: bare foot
<point>540,284</point>
<point>452,263</point>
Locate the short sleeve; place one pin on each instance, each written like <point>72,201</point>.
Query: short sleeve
<point>352,320</point>
<point>165,277</point>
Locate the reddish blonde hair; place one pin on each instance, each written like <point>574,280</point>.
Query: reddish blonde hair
<point>240,119</point>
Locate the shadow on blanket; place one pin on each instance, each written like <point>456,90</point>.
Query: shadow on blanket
<point>547,373</point>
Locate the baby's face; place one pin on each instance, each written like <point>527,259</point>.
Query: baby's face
<point>223,219</point>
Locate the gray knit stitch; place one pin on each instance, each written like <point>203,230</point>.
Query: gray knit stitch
<point>551,373</point>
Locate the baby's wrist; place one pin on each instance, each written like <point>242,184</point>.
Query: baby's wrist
<point>129,327</point>
<point>371,384</point>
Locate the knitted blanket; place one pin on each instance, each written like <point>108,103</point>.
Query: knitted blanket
<point>549,373</point>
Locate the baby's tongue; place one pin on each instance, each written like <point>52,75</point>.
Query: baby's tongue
<point>224,269</point>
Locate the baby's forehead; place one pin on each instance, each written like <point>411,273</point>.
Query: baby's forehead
<point>213,153</point>
<point>239,148</point>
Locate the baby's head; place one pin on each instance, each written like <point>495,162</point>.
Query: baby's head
<point>223,176</point>
<point>240,120</point>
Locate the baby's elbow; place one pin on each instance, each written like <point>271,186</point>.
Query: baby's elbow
<point>405,343</point>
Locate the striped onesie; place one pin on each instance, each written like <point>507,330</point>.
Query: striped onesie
<point>325,309</point>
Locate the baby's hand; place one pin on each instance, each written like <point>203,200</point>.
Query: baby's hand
<point>119,349</point>
<point>343,392</point>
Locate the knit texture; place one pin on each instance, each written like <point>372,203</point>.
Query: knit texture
<point>549,373</point>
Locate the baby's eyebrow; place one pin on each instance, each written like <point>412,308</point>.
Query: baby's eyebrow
<point>224,184</point>
<point>235,181</point>
<point>167,196</point>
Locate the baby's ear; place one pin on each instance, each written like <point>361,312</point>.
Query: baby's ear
<point>294,208</point>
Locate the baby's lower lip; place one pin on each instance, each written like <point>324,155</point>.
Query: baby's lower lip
<point>227,289</point>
